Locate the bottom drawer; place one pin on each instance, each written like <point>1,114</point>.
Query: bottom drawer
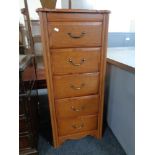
<point>69,126</point>
<point>25,141</point>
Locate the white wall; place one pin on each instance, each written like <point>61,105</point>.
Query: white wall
<point>79,4</point>
<point>32,6</point>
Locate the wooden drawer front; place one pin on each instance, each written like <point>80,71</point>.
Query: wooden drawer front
<point>74,34</point>
<point>75,125</point>
<point>22,105</point>
<point>79,60</point>
<point>77,106</point>
<point>74,17</point>
<point>23,124</point>
<point>25,141</point>
<point>75,85</point>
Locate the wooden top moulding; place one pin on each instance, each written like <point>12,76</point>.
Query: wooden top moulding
<point>72,10</point>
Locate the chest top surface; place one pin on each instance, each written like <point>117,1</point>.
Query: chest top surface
<point>72,11</point>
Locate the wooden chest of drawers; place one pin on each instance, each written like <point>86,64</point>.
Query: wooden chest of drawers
<point>28,108</point>
<point>74,45</point>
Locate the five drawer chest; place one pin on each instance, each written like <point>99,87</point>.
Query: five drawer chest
<point>74,48</point>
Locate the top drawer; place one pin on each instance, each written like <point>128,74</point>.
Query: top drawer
<point>74,34</point>
<point>85,17</point>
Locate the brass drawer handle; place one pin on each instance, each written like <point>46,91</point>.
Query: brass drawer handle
<point>78,127</point>
<point>76,109</point>
<point>74,64</point>
<point>76,37</point>
<point>77,88</point>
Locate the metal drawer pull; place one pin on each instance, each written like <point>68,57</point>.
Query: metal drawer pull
<point>76,37</point>
<point>78,127</point>
<point>76,109</point>
<point>71,62</point>
<point>77,88</point>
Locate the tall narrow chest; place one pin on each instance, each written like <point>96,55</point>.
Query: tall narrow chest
<point>74,48</point>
